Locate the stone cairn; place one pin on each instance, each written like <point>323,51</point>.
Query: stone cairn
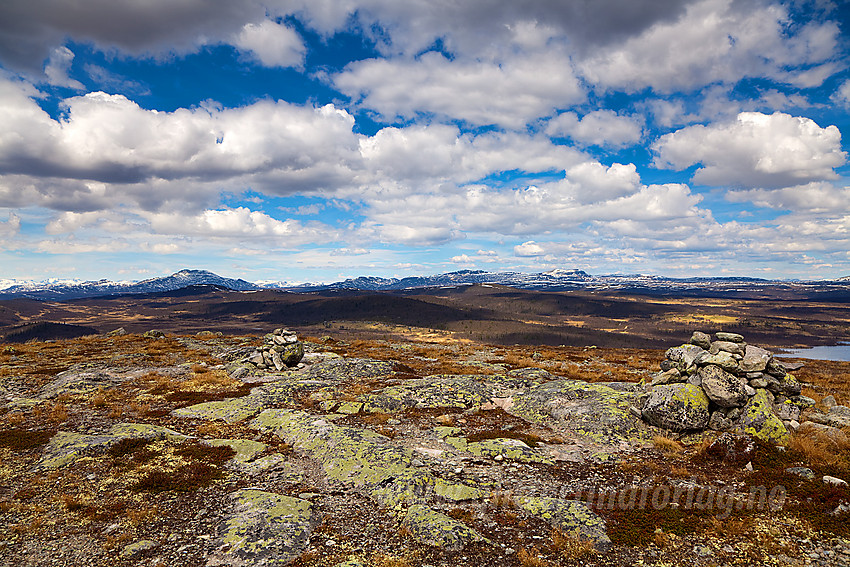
<point>280,349</point>
<point>725,385</point>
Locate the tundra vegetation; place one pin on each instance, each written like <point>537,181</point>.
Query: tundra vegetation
<point>164,449</point>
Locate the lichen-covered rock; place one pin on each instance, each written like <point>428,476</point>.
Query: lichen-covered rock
<point>511,449</point>
<point>572,517</point>
<point>290,354</point>
<point>597,412</point>
<point>678,407</point>
<point>790,386</point>
<point>264,529</point>
<point>359,458</point>
<point>433,528</point>
<point>246,449</point>
<point>66,447</point>
<point>721,387</point>
<point>442,391</point>
<point>757,419</point>
<point>231,410</point>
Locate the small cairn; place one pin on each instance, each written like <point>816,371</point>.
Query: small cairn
<point>726,385</point>
<point>280,349</point>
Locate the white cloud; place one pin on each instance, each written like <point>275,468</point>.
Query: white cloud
<point>58,66</point>
<point>529,248</point>
<point>238,222</point>
<point>757,150</point>
<point>815,197</point>
<point>842,95</point>
<point>717,41</point>
<point>510,92</point>
<point>11,226</point>
<point>273,44</point>
<point>598,128</point>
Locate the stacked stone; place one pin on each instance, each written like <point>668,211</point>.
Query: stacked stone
<point>281,349</point>
<point>725,384</point>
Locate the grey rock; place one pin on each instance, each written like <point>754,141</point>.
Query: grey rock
<point>843,411</point>
<point>828,401</point>
<point>719,421</point>
<point>755,359</point>
<point>678,407</point>
<point>701,340</point>
<point>726,346</point>
<point>759,383</point>
<point>684,355</point>
<point>786,411</point>
<point>722,359</point>
<point>834,481</point>
<point>668,377</point>
<point>775,368</point>
<point>750,390</point>
<point>731,337</point>
<point>821,430</point>
<point>723,388</point>
<point>754,375</point>
<point>790,386</point>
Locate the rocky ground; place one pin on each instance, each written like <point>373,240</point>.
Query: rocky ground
<point>224,450</point>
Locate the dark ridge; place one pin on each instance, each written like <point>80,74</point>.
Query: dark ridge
<point>46,330</point>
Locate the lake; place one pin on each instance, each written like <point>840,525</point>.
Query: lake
<point>835,352</point>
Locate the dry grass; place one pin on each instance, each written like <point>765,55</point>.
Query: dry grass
<point>531,558</point>
<point>667,445</point>
<point>571,548</point>
<point>819,449</point>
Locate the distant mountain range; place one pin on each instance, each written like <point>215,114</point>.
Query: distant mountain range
<point>555,280</point>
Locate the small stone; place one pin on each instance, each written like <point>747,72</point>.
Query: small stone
<point>499,458</point>
<point>834,481</point>
<point>749,467</point>
<point>828,401</point>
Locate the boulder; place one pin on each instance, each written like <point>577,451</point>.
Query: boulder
<point>755,359</point>
<point>721,387</point>
<point>683,356</point>
<point>727,346</point>
<point>723,359</point>
<point>700,339</point>
<point>758,419</point>
<point>678,407</point>
<point>730,337</point>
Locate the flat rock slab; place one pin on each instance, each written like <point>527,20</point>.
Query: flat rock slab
<point>433,528</point>
<point>597,413</point>
<point>264,529</point>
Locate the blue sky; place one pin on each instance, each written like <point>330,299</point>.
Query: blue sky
<point>304,141</point>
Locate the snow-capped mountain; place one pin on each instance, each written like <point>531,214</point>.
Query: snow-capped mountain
<point>554,280</point>
<point>75,290</point>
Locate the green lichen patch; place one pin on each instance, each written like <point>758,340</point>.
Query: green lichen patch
<point>507,448</point>
<point>230,411</point>
<point>572,517</point>
<point>435,529</point>
<point>456,492</point>
<point>439,391</point>
<point>264,528</point>
<point>759,420</point>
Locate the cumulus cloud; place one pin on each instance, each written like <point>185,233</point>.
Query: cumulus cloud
<point>509,93</point>
<point>272,44</point>
<point>57,69</point>
<point>717,41</point>
<point>11,226</point>
<point>815,197</point>
<point>757,150</point>
<point>598,128</point>
<point>530,248</point>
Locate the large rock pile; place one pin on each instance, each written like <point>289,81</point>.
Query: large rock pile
<point>281,349</point>
<point>726,385</point>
